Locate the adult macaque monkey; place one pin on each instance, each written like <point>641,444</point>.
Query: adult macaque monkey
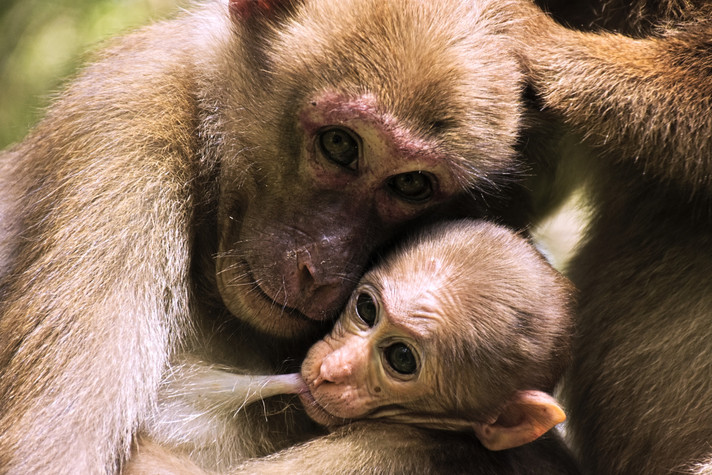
<point>464,328</point>
<point>638,392</point>
<point>216,184</point>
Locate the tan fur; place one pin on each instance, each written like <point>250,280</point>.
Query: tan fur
<point>397,448</point>
<point>639,100</point>
<point>150,458</point>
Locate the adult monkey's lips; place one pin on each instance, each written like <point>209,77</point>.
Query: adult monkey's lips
<point>286,310</point>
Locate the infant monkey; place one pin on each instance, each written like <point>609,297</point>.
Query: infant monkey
<point>465,328</point>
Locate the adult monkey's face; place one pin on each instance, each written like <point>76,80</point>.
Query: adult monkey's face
<point>352,134</point>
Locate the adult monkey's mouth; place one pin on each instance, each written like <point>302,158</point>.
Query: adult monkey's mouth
<point>264,296</point>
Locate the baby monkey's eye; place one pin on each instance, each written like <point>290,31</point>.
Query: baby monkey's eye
<point>401,358</point>
<point>366,309</point>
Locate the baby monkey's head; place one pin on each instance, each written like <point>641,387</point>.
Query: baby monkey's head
<point>465,327</point>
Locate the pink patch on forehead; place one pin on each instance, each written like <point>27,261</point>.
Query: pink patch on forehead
<point>336,109</point>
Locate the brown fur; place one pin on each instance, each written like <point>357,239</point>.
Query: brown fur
<point>637,391</point>
<point>388,449</point>
<point>615,91</point>
<point>397,448</point>
<point>630,17</point>
<point>152,459</point>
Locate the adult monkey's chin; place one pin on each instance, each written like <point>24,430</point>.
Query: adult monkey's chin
<point>245,299</point>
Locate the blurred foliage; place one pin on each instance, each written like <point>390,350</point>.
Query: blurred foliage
<point>44,41</point>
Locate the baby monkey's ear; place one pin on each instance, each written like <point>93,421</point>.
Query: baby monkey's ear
<point>527,417</point>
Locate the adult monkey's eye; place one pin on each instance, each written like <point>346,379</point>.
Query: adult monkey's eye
<point>340,146</point>
<point>366,309</point>
<point>412,186</point>
<point>401,358</point>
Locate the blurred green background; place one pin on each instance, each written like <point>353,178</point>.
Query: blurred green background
<point>44,41</point>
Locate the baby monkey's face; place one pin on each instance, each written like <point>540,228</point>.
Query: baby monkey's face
<point>374,363</point>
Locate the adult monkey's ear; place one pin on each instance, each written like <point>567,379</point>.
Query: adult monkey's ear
<point>528,416</point>
<point>248,11</point>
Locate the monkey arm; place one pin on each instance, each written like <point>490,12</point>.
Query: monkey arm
<point>373,447</point>
<point>388,448</point>
<point>358,448</point>
<point>86,335</point>
<point>382,448</point>
<point>95,297</point>
<point>648,100</point>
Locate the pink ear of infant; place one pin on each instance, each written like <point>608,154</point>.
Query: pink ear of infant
<point>526,418</point>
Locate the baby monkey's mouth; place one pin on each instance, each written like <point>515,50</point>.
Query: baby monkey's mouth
<point>386,413</point>
<point>317,412</point>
